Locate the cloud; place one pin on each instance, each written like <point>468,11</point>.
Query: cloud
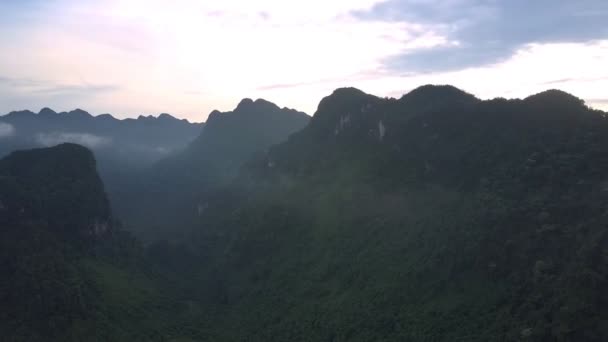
<point>86,139</point>
<point>77,89</point>
<point>226,50</point>
<point>31,92</point>
<point>6,130</point>
<point>189,56</point>
<point>577,79</point>
<point>484,32</point>
<point>42,86</point>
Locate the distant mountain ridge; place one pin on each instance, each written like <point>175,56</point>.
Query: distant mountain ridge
<point>228,140</point>
<point>49,113</point>
<point>149,138</point>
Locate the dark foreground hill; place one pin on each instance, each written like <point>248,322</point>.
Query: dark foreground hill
<point>62,255</point>
<point>434,217</point>
<point>59,186</point>
<point>53,211</point>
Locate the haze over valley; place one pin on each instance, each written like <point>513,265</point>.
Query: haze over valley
<point>430,171</point>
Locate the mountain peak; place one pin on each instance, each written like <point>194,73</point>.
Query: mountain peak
<point>230,138</point>
<point>213,116</point>
<point>343,107</point>
<point>343,96</point>
<point>165,116</point>
<point>259,105</point>
<point>262,102</point>
<point>106,117</point>
<point>555,98</point>
<point>433,95</point>
<point>47,112</point>
<point>348,91</point>
<point>244,104</point>
<point>79,113</point>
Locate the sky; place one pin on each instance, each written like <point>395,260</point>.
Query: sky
<point>189,57</point>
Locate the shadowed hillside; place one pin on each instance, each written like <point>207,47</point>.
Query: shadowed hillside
<point>171,194</point>
<point>434,217</point>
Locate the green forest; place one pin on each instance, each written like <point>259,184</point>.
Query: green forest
<point>436,216</point>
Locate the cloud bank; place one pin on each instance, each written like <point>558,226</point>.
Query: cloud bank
<point>189,57</point>
<point>86,139</point>
<point>6,130</point>
<point>481,32</point>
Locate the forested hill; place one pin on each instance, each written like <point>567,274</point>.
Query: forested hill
<point>165,199</point>
<point>54,214</point>
<point>441,134</point>
<point>59,186</point>
<point>433,217</point>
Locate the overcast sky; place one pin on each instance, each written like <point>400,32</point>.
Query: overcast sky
<point>188,57</point>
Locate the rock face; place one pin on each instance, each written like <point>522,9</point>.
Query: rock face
<point>54,214</point>
<point>58,186</point>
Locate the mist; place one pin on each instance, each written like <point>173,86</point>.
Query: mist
<point>86,139</point>
<point>6,130</point>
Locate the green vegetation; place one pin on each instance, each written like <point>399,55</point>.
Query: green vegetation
<point>463,220</point>
<point>167,197</point>
<point>434,217</point>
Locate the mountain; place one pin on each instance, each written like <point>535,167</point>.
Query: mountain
<point>229,139</point>
<point>179,183</point>
<point>434,217</point>
<point>53,212</point>
<point>123,148</point>
<point>142,140</point>
<point>68,272</point>
<point>59,185</point>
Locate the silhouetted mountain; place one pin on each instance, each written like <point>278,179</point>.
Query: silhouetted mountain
<point>433,217</point>
<point>53,214</point>
<point>59,186</point>
<point>231,138</point>
<point>181,181</point>
<point>136,141</point>
<point>123,148</point>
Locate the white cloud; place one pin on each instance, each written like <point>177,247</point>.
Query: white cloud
<point>579,69</point>
<point>6,130</point>
<point>158,52</point>
<point>86,139</point>
<point>188,57</point>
